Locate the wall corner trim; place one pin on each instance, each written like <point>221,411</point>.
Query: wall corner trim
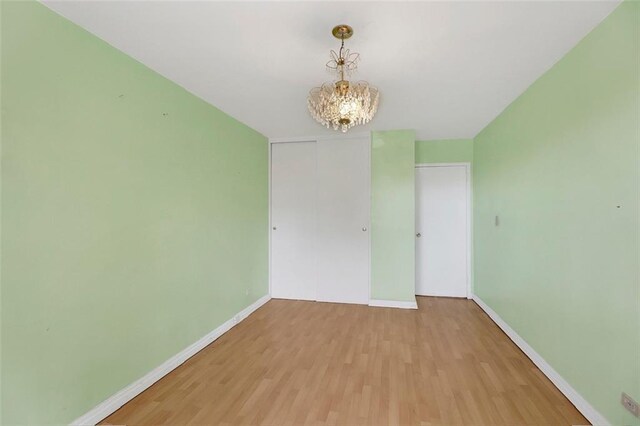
<point>117,400</point>
<point>572,395</point>
<point>393,304</point>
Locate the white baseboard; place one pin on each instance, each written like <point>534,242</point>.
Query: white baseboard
<point>117,400</point>
<point>393,304</point>
<point>572,395</point>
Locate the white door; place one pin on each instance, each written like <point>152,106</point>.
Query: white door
<point>442,265</point>
<point>293,220</point>
<point>343,220</point>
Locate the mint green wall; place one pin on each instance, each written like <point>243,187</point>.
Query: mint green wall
<point>444,151</point>
<point>562,268</point>
<point>134,218</point>
<point>393,215</point>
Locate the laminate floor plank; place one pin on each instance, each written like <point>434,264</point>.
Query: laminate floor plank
<point>307,363</point>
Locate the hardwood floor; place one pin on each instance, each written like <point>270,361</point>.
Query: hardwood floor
<point>295,363</point>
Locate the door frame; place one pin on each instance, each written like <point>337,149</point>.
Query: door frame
<point>317,139</point>
<point>469,221</point>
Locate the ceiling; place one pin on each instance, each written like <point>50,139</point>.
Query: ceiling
<point>445,69</point>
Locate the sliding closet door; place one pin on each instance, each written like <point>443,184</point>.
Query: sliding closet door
<point>293,220</point>
<point>343,220</point>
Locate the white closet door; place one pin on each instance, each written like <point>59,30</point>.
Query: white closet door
<point>293,220</point>
<point>441,222</point>
<point>343,220</point>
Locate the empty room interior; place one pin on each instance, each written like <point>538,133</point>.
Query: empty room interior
<point>320,213</point>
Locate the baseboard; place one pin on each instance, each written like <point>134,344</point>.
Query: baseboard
<point>572,395</point>
<point>393,304</point>
<point>111,404</point>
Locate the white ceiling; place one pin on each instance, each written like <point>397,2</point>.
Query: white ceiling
<point>445,69</point>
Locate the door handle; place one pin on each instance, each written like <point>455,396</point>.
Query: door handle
<point>418,235</point>
<point>364,229</point>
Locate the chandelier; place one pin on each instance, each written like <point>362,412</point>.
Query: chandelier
<point>343,104</point>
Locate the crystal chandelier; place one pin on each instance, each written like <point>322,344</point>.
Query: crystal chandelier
<point>343,104</point>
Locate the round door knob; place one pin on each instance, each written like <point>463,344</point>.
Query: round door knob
<point>274,228</point>
<point>364,229</point>
<point>418,235</point>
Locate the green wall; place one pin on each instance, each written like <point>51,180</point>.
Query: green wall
<point>560,166</point>
<point>444,151</point>
<point>393,215</point>
<point>134,218</point>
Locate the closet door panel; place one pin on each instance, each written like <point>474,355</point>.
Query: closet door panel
<point>343,220</point>
<point>293,220</point>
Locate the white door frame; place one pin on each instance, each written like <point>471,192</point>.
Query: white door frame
<point>316,139</point>
<point>467,166</point>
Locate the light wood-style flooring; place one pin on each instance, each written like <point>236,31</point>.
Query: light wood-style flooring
<point>307,363</point>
